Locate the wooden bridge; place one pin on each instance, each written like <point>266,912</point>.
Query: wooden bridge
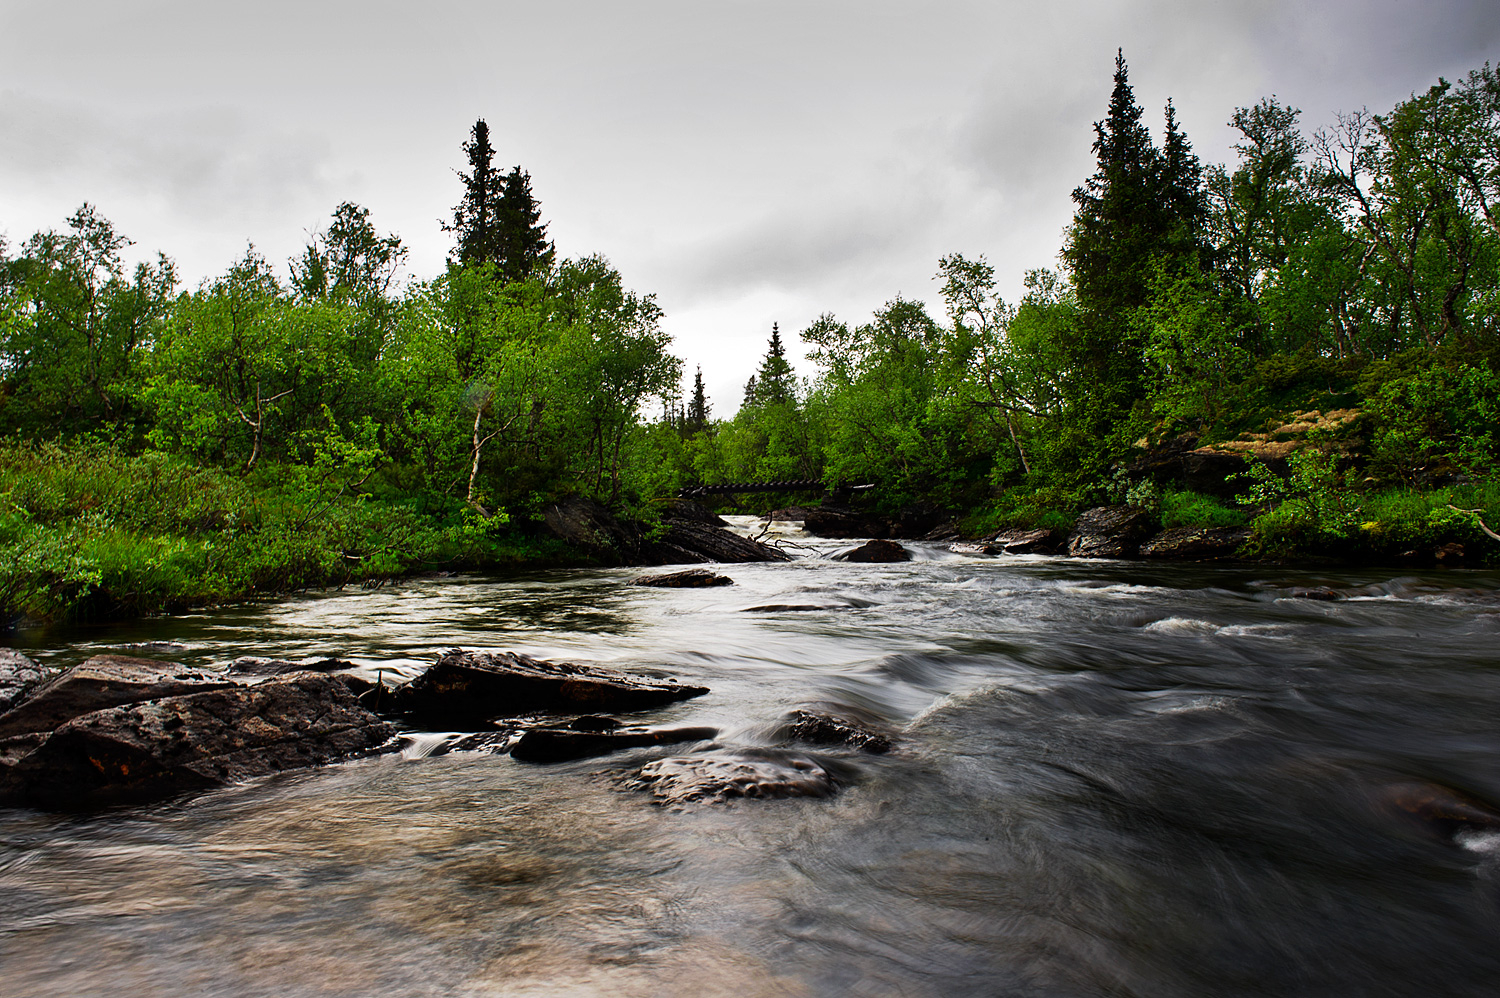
<point>800,485</point>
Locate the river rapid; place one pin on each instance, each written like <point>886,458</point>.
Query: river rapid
<point>1112,779</point>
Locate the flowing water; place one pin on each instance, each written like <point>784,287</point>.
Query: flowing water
<point>1112,779</point>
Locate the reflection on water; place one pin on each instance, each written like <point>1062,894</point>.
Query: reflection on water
<point>1114,780</point>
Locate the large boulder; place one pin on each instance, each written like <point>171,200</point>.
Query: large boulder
<point>586,524</point>
<point>1196,543</point>
<point>176,744</point>
<point>1111,532</point>
<point>17,674</point>
<point>691,512</point>
<point>104,681</point>
<point>467,688</point>
<point>691,535</point>
<point>878,551</point>
<point>693,578</point>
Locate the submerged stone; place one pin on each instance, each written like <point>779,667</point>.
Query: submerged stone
<point>717,778</point>
<point>814,727</point>
<point>693,578</point>
<point>562,744</point>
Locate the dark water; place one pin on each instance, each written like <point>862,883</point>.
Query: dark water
<point>1114,780</point>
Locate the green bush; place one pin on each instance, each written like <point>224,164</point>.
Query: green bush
<point>1193,509</point>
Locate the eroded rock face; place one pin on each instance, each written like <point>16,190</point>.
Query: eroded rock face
<point>1196,543</point>
<point>877,551</point>
<point>17,674</point>
<point>562,744</point>
<point>814,727</point>
<point>1110,532</point>
<point>144,751</point>
<point>693,578</point>
<point>469,687</point>
<point>104,681</point>
<point>698,542</point>
<point>717,778</point>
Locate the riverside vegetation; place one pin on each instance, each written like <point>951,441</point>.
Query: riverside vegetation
<point>1319,321</point>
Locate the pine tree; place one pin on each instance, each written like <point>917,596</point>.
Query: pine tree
<point>697,411</point>
<point>476,219</point>
<point>1182,199</point>
<point>775,382</point>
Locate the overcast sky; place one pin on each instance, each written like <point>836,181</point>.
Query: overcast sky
<point>748,162</point>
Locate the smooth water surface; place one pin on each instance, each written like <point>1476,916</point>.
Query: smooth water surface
<point>1113,779</point>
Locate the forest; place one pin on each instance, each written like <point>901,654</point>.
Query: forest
<point>1325,310</point>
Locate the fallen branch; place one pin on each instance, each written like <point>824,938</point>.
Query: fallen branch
<point>1476,513</point>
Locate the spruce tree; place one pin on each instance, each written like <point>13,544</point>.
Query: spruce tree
<point>697,411</point>
<point>476,219</point>
<point>523,238</point>
<point>775,381</point>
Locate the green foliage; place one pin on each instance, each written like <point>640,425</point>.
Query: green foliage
<point>1193,509</point>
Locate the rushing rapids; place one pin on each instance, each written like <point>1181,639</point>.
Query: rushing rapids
<point>1101,778</point>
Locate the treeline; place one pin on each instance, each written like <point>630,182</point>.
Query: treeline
<point>338,422</point>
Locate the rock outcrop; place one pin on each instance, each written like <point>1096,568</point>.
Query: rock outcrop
<point>876,552</point>
<point>162,747</point>
<point>692,535</point>
<point>17,675</point>
<point>1196,543</point>
<point>104,681</point>
<point>1110,532</point>
<point>1041,540</point>
<point>468,688</point>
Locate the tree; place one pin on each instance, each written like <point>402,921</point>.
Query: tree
<point>774,382</point>
<point>476,219</point>
<point>348,261</point>
<point>498,221</point>
<point>697,410</point>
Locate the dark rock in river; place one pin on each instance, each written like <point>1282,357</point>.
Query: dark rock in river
<point>162,747</point>
<point>561,744</point>
<point>876,552</point>
<point>714,777</point>
<point>693,578</point>
<point>586,523</point>
<point>1196,543</point>
<point>814,727</point>
<point>1110,532</point>
<point>1042,540</point>
<point>104,681</point>
<point>843,522</point>
<point>1321,594</point>
<point>1443,811</point>
<point>251,666</point>
<point>688,542</point>
<point>793,607</point>
<point>470,687</point>
<point>687,511</point>
<point>17,674</point>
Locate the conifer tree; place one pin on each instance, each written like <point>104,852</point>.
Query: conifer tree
<point>697,410</point>
<point>498,221</point>
<point>774,382</point>
<point>523,238</point>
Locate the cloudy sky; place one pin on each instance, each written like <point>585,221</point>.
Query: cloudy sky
<point>749,161</point>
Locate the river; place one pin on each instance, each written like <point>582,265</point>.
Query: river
<point>1112,779</point>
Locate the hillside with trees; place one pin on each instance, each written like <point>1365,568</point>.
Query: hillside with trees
<point>1319,321</point>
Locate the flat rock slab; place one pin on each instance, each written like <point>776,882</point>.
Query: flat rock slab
<point>717,778</point>
<point>1110,532</point>
<point>876,552</point>
<point>562,744</point>
<point>1196,543</point>
<point>1039,541</point>
<point>252,666</point>
<point>703,541</point>
<point>693,578</point>
<point>104,681</point>
<point>177,744</point>
<point>17,674</point>
<point>814,727</point>
<point>471,687</point>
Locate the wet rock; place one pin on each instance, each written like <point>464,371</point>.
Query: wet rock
<point>17,675</point>
<point>976,548</point>
<point>843,522</point>
<point>1041,540</point>
<point>876,552</point>
<point>699,542</point>
<point>1449,554</point>
<point>562,744</point>
<point>791,607</point>
<point>815,727</point>
<point>693,578</point>
<point>687,511</point>
<point>104,681</point>
<point>1110,532</point>
<point>1196,543</point>
<point>1319,593</point>
<point>942,532</point>
<point>470,687</point>
<point>150,750</point>
<point>1441,810</point>
<point>252,666</point>
<point>585,523</point>
<point>715,777</point>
